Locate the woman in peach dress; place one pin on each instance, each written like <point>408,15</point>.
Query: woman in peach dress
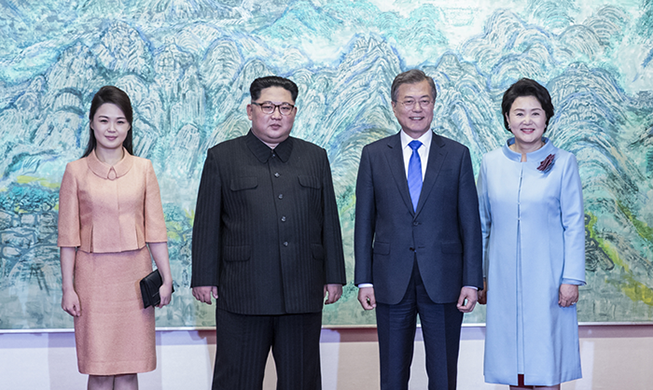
<point>110,213</point>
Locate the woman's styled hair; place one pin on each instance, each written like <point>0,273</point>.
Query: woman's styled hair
<point>526,87</point>
<point>111,94</point>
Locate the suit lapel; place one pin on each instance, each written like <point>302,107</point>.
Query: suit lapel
<point>437,154</point>
<point>395,159</point>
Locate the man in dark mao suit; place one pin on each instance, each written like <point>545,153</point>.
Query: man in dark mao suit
<point>267,246</point>
<point>417,238</point>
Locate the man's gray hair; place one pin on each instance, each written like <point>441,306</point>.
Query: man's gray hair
<point>411,77</point>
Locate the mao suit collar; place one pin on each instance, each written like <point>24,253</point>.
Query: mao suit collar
<point>263,152</point>
<point>107,171</point>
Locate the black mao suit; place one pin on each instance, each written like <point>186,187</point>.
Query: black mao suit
<point>266,230</point>
<point>435,249</point>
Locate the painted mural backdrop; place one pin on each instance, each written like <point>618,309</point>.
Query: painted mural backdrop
<point>187,66</point>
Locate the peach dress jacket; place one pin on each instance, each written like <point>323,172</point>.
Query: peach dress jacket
<point>109,213</point>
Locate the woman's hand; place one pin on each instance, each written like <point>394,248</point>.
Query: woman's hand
<point>165,292</point>
<point>159,251</point>
<point>482,294</point>
<point>70,303</point>
<point>568,295</point>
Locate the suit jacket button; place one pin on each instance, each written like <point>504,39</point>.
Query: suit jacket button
<point>276,174</point>
<point>285,243</point>
<point>280,196</point>
<point>283,219</point>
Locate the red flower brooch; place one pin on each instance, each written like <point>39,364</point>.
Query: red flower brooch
<point>546,164</point>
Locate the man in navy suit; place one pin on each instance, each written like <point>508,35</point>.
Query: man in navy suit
<point>417,238</point>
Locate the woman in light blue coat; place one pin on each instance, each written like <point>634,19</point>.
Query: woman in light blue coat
<point>531,207</point>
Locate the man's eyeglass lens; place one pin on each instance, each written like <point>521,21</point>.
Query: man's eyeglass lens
<point>409,104</point>
<point>269,107</point>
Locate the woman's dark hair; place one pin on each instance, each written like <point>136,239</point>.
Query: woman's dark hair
<point>272,81</point>
<point>110,94</point>
<point>526,87</point>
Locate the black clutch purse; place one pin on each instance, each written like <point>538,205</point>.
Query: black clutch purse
<point>150,289</point>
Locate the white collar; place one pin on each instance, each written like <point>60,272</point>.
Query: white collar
<point>425,139</point>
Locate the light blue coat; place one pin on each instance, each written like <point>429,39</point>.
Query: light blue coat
<point>533,241</point>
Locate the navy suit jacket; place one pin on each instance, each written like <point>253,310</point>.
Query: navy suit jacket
<point>444,234</point>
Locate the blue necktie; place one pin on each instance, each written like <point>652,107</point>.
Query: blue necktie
<point>414,174</point>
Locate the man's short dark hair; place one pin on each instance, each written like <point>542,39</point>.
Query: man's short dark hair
<point>411,77</point>
<point>272,81</point>
<point>526,87</point>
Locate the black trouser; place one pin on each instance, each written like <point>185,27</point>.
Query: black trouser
<point>243,344</point>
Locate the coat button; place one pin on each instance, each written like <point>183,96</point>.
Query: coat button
<point>276,174</point>
<point>280,196</point>
<point>283,219</point>
<point>285,243</point>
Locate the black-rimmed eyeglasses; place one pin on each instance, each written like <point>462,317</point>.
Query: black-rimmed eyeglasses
<point>269,107</point>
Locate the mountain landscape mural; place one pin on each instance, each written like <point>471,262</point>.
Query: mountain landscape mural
<point>187,66</point>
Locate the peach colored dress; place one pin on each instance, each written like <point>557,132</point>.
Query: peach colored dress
<point>109,213</point>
